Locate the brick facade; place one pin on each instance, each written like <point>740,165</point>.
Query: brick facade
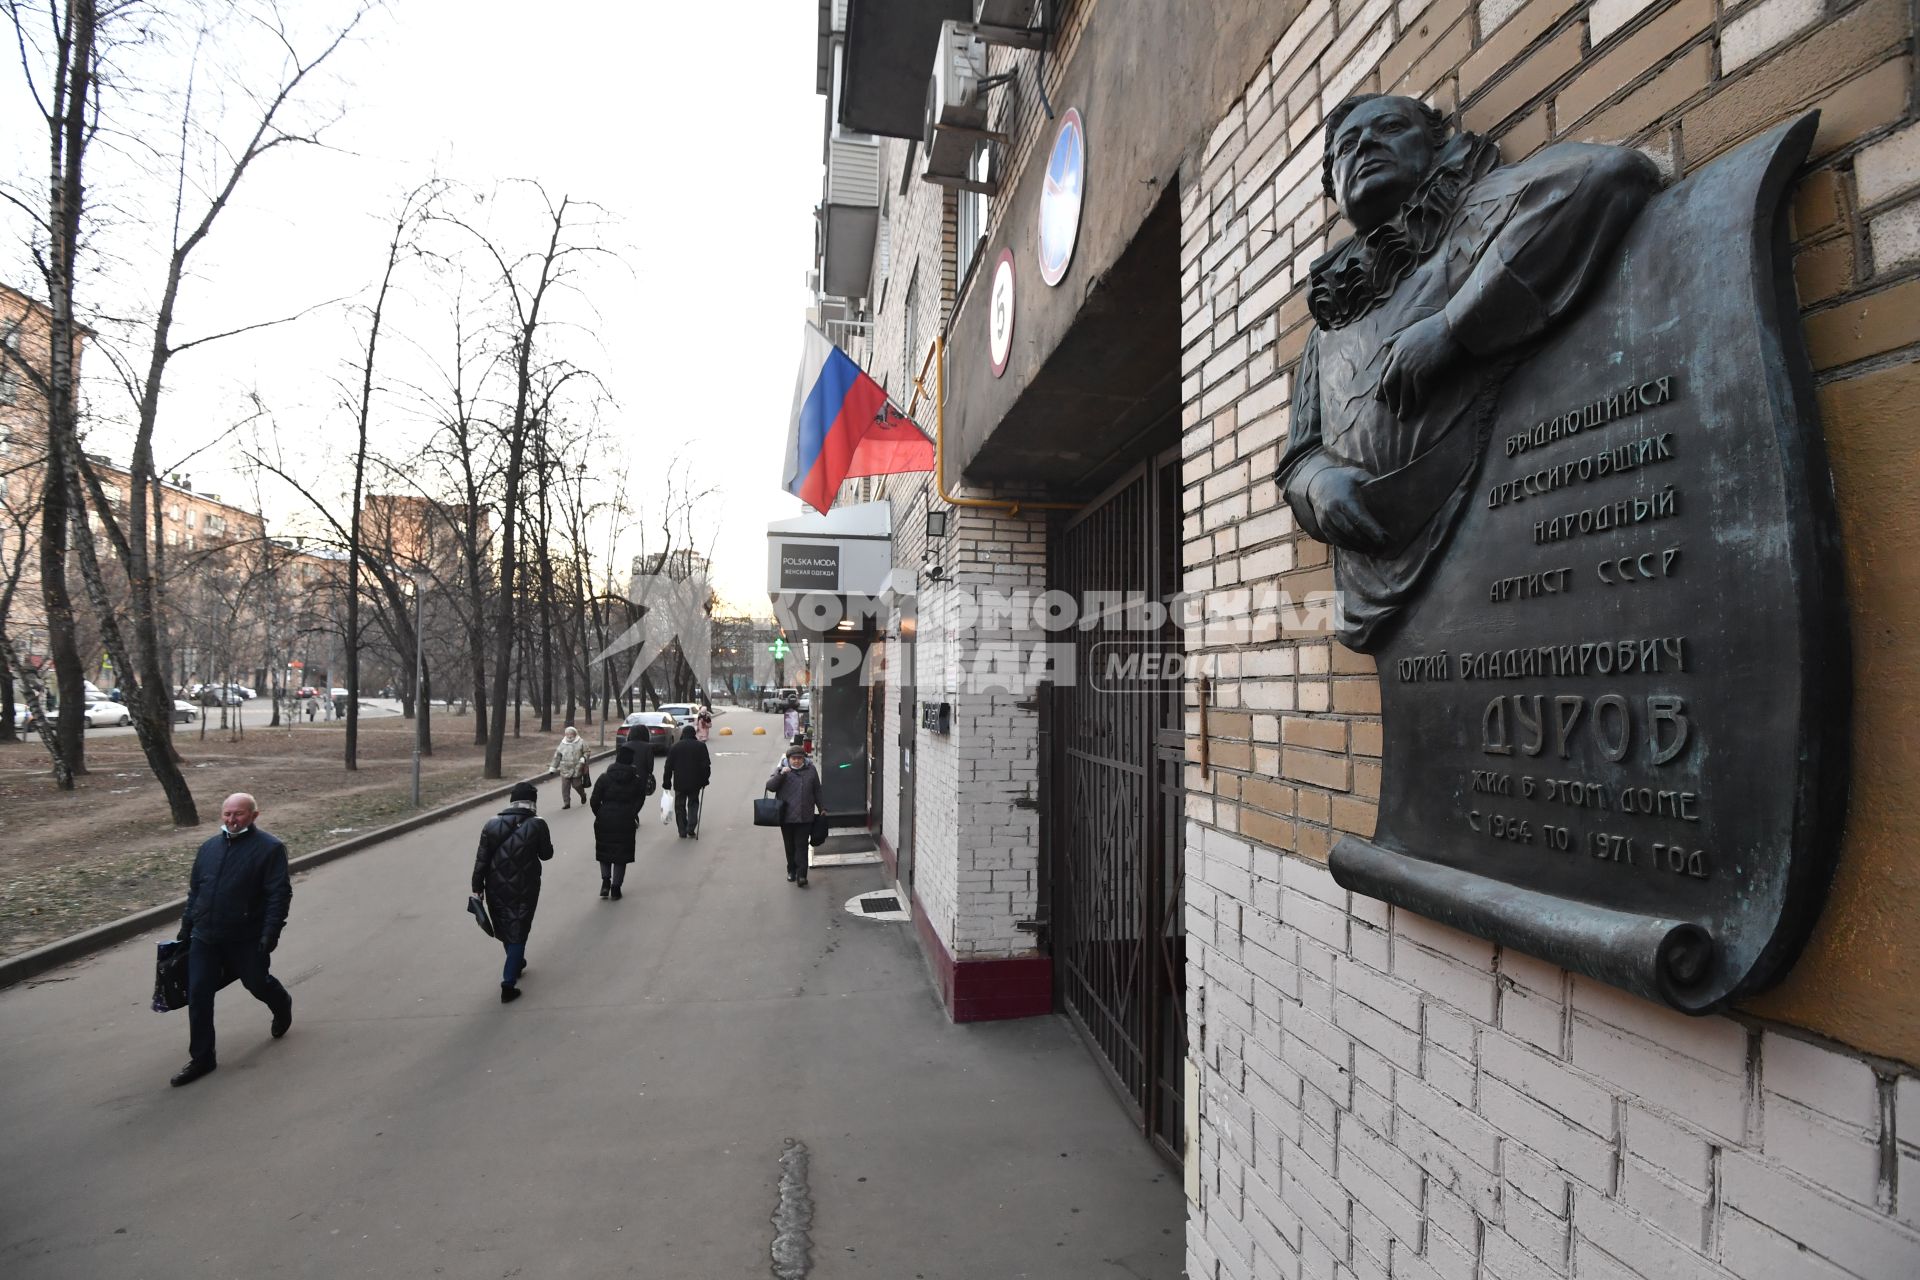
<point>1380,1096</point>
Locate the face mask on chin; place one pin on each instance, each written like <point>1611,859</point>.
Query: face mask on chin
<point>236,831</point>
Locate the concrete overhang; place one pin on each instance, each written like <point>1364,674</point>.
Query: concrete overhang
<point>890,50</point>
<point>1093,377</point>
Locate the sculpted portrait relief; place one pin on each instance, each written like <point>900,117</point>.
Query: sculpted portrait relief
<point>1556,424</point>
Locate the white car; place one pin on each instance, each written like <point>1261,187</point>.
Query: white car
<point>100,715</point>
<point>683,712</point>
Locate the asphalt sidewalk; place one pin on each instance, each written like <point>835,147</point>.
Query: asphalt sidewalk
<point>626,1117</point>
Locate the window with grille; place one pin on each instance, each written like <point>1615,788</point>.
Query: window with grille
<point>910,343</point>
<point>972,215</point>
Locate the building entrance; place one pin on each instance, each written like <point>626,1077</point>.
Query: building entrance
<point>1118,928</point>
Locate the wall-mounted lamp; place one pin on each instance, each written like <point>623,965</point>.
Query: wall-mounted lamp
<point>937,524</point>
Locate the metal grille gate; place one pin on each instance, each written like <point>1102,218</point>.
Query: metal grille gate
<point>1118,928</point>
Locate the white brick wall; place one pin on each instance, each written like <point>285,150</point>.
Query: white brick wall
<point>1397,1099</point>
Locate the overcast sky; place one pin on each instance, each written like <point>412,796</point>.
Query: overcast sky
<point>702,144</point>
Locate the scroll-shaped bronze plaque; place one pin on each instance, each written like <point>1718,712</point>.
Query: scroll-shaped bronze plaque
<point>1616,711</point>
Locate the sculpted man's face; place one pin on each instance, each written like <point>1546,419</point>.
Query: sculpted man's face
<point>1380,153</point>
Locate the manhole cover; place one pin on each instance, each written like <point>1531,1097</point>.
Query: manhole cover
<point>884,902</point>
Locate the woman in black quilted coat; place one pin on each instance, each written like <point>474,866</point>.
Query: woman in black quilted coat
<point>617,799</point>
<point>506,869</point>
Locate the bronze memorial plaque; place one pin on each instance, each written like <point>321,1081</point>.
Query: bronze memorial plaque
<point>1558,424</point>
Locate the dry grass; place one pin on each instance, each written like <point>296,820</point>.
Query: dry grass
<point>72,860</point>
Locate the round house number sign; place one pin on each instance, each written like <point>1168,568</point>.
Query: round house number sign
<point>1000,313</point>
<point>1061,196</point>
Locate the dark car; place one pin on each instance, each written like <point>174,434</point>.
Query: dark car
<point>656,728</point>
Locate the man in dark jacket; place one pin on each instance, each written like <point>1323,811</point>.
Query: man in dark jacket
<point>237,901</point>
<point>617,798</point>
<point>689,770</point>
<point>506,868</point>
<point>796,784</point>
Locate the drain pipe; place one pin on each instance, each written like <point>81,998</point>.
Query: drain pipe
<point>937,360</point>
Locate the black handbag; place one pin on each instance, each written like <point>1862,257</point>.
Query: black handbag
<point>766,812</point>
<point>170,977</point>
<point>818,836</point>
<point>477,908</point>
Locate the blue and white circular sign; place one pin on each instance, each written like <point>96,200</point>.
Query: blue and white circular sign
<point>1061,196</point>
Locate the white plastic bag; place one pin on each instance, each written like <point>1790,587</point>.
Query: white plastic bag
<point>666,805</point>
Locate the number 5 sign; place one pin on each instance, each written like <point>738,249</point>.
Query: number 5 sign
<point>1000,313</point>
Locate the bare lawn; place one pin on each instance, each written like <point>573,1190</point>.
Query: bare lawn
<point>72,860</point>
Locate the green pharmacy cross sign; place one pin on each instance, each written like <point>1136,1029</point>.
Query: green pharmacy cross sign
<point>779,648</point>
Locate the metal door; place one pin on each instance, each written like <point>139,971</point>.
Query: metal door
<point>1118,929</point>
<point>909,718</point>
<point>877,657</point>
<point>840,728</point>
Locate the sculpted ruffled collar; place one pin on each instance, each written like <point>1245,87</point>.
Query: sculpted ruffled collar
<point>1361,273</point>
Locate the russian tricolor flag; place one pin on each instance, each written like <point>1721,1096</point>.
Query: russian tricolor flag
<point>844,426</point>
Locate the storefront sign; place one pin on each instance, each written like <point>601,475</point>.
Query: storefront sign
<point>1000,313</point>
<point>809,568</point>
<point>1061,197</point>
<point>1604,604</point>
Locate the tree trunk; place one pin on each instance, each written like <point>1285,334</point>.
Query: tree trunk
<point>68,141</point>
<point>154,745</point>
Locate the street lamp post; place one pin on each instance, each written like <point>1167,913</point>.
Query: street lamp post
<point>419,680</point>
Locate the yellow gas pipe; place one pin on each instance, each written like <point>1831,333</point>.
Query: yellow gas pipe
<point>937,357</point>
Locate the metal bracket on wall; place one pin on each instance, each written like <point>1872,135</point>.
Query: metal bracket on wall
<point>1206,696</point>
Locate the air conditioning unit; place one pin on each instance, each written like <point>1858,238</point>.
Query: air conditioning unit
<point>956,103</point>
<point>954,98</point>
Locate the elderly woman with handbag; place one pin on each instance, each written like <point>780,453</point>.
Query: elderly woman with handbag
<point>796,789</point>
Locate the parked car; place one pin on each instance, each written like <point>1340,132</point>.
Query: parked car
<point>681,711</point>
<point>777,699</point>
<point>218,695</point>
<point>103,713</point>
<point>184,712</point>
<point>306,691</point>
<point>656,728</point>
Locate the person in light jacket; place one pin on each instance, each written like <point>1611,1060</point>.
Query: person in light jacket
<point>506,869</point>
<point>796,784</point>
<point>570,763</point>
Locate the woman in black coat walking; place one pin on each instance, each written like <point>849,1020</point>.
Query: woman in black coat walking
<point>796,784</point>
<point>506,870</point>
<point>616,802</point>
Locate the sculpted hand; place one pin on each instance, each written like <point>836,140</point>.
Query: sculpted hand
<point>1422,352</point>
<point>1342,509</point>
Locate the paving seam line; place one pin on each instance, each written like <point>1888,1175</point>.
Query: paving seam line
<point>28,964</point>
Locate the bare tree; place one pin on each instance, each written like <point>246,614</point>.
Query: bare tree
<point>526,282</point>
<point>61,64</point>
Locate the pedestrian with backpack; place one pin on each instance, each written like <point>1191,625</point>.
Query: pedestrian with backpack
<point>506,873</point>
